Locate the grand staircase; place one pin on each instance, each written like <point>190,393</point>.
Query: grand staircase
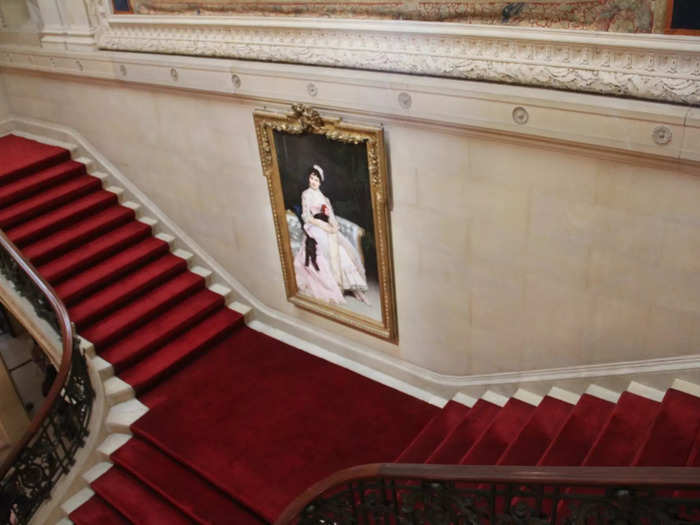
<point>229,425</point>
<point>640,427</point>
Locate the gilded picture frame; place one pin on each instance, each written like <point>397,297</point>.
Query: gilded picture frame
<point>328,187</point>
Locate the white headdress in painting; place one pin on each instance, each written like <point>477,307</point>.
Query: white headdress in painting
<point>320,171</point>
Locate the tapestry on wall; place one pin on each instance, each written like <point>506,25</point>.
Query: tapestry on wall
<point>632,16</point>
<point>328,190</point>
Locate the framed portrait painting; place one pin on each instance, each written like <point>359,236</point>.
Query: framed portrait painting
<point>328,190</point>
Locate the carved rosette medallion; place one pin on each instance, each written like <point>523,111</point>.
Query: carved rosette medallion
<point>662,135</point>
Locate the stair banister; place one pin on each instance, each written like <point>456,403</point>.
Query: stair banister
<point>396,493</point>
<point>46,450</point>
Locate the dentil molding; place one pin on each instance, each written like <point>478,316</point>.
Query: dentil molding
<point>655,67</point>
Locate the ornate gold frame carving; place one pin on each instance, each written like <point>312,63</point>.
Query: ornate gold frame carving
<point>304,119</point>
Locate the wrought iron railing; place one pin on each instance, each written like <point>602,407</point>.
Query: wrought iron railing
<point>58,430</point>
<point>402,494</point>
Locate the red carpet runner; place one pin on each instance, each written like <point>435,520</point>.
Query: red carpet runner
<point>239,423</point>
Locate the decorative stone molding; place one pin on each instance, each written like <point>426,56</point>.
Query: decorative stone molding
<point>655,67</point>
<point>64,25</point>
<point>609,124</point>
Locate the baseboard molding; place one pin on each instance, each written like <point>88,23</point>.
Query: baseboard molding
<point>420,382</point>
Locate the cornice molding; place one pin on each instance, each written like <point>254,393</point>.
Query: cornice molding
<point>653,67</point>
<point>611,126</point>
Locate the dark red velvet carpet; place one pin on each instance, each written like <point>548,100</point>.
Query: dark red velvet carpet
<point>278,419</point>
<point>240,423</point>
<point>433,433</point>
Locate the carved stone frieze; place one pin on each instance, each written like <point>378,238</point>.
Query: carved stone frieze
<point>640,66</point>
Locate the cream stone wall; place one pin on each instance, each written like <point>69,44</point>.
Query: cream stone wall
<point>4,104</point>
<point>15,13</point>
<point>509,255</point>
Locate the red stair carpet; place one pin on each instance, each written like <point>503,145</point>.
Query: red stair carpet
<point>240,423</point>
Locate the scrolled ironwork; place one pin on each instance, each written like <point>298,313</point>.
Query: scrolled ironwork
<point>51,452</point>
<point>48,448</point>
<point>630,505</point>
<point>26,287</point>
<point>462,495</point>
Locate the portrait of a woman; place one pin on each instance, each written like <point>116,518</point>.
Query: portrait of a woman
<point>328,188</point>
<point>327,265</point>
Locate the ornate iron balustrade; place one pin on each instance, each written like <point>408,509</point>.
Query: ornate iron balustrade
<point>47,450</point>
<point>402,494</point>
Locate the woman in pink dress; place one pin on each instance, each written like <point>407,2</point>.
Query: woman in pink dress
<point>327,264</point>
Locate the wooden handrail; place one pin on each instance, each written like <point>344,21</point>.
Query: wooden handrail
<point>66,329</point>
<point>604,477</point>
<point>298,504</point>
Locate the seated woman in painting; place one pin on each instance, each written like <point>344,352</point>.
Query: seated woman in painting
<point>327,264</point>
